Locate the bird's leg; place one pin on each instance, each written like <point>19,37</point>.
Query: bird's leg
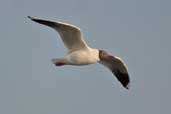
<point>59,61</point>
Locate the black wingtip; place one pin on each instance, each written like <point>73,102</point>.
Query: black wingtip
<point>127,86</point>
<point>123,78</point>
<point>29,17</point>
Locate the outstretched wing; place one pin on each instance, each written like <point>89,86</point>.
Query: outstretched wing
<point>118,68</point>
<point>70,34</point>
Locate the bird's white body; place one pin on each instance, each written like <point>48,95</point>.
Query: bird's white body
<point>79,53</point>
<point>83,57</point>
<point>80,57</point>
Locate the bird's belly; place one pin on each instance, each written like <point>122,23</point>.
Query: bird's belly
<point>81,58</point>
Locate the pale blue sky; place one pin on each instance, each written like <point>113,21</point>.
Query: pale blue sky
<point>136,30</point>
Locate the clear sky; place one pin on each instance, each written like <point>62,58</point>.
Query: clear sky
<point>138,31</point>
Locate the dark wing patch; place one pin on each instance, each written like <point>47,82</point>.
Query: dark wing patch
<point>117,66</point>
<point>45,22</point>
<point>123,78</point>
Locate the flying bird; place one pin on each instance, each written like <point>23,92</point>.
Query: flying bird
<point>79,53</point>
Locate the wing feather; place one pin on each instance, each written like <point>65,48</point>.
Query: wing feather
<point>70,34</point>
<point>118,68</point>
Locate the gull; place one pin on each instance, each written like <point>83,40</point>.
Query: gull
<point>79,53</point>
